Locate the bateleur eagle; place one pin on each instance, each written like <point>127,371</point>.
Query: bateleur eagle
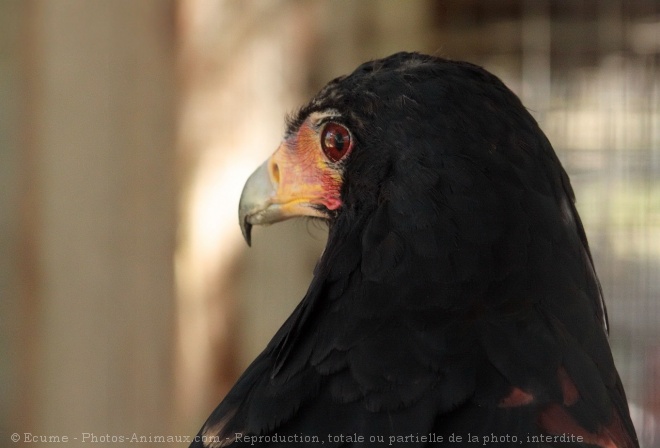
<point>456,302</point>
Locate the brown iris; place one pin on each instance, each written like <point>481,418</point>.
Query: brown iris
<point>335,141</point>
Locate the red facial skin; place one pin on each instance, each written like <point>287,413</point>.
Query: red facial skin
<point>305,177</point>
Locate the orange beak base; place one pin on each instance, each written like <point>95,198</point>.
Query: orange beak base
<point>296,180</point>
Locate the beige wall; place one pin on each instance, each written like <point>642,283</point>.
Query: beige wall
<point>91,216</point>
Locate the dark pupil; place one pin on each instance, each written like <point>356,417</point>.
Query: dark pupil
<point>337,141</point>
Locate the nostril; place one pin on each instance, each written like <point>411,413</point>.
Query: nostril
<point>275,172</point>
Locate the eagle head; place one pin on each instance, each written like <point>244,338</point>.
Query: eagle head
<point>456,289</point>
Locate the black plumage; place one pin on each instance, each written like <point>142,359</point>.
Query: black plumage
<point>456,296</point>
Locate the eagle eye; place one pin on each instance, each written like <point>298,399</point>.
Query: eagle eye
<point>335,141</point>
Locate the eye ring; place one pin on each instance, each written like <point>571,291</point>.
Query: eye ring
<point>336,141</point>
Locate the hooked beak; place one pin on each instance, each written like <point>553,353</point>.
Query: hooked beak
<point>292,182</point>
<point>256,205</point>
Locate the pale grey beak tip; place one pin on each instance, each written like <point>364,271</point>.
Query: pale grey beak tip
<point>255,201</point>
<point>246,229</point>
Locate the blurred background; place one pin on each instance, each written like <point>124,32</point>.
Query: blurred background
<point>129,302</point>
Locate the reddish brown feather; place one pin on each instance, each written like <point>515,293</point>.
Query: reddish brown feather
<point>568,389</point>
<point>618,433</point>
<point>555,420</point>
<point>517,397</point>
